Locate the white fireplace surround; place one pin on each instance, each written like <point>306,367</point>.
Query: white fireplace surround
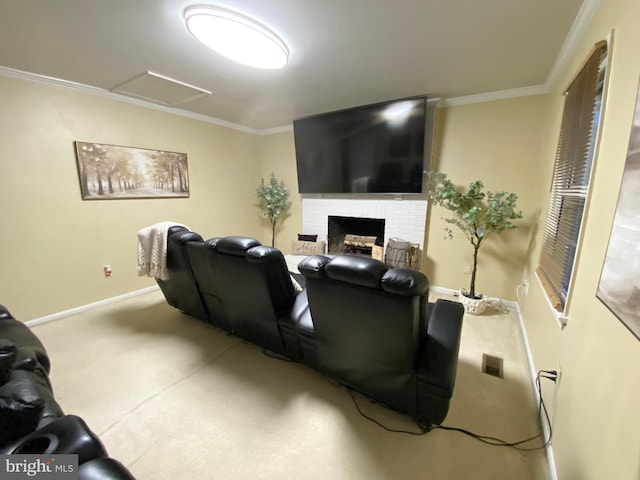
<point>404,218</point>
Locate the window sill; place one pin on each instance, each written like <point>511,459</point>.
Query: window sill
<point>561,318</point>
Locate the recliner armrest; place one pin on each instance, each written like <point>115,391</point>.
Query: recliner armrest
<point>439,359</point>
<point>31,353</point>
<point>8,355</point>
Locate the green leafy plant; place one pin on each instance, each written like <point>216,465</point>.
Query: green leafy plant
<point>273,202</point>
<point>477,213</point>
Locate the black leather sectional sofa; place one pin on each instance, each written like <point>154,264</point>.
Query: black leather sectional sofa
<point>31,421</point>
<point>358,321</point>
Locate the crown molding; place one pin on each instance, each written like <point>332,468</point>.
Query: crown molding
<point>580,24</point>
<point>101,92</point>
<point>493,96</point>
<point>275,130</point>
<point>579,27</point>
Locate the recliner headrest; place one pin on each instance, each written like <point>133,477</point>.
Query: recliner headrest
<point>263,253</point>
<point>358,270</point>
<point>212,243</point>
<point>184,236</point>
<point>402,281</point>
<point>175,229</point>
<point>366,272</point>
<point>313,266</point>
<point>236,246</point>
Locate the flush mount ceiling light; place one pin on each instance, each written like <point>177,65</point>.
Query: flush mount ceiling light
<point>236,37</point>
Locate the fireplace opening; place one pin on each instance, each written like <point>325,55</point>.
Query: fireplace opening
<point>354,235</point>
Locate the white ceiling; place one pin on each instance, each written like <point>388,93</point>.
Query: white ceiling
<point>343,52</point>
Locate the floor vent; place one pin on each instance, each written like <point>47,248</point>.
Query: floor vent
<point>492,365</point>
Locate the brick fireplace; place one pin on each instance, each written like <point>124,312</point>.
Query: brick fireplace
<point>354,234</point>
<point>403,218</point>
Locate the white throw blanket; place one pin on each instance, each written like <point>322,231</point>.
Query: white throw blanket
<point>152,250</point>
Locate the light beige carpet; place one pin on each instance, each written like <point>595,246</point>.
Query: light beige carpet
<point>174,398</point>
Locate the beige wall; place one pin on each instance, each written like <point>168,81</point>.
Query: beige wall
<point>595,405</point>
<point>498,143</point>
<point>278,156</point>
<point>53,244</point>
<point>508,164</point>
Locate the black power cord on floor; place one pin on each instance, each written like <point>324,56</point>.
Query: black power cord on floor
<point>371,419</point>
<point>497,442</point>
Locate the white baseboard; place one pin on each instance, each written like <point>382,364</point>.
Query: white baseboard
<point>530,363</point>
<point>533,374</point>
<point>84,308</point>
<point>511,305</point>
<point>442,290</point>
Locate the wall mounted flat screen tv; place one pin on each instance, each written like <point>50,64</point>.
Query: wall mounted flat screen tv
<point>374,149</point>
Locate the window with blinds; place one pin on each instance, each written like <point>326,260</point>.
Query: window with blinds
<point>572,172</point>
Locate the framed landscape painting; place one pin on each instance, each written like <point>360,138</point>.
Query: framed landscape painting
<point>110,172</point>
<point>619,287</point>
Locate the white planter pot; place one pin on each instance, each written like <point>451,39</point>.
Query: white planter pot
<point>475,306</point>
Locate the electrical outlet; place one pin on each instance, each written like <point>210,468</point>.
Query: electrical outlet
<point>467,269</point>
<point>525,286</point>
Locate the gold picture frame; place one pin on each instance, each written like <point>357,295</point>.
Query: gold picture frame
<point>111,172</point>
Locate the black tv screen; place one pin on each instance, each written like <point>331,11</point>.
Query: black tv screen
<point>371,149</point>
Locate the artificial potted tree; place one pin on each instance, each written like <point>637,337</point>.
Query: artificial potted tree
<point>477,214</point>
<point>274,202</point>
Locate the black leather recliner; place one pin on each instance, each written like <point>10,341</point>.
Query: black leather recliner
<point>30,352</point>
<point>181,290</point>
<point>374,331</point>
<point>31,421</point>
<point>236,284</point>
<point>200,262</point>
<point>368,326</point>
<point>252,283</point>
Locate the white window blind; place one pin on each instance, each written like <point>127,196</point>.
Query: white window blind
<point>571,176</point>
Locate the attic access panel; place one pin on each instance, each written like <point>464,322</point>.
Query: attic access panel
<point>161,89</point>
